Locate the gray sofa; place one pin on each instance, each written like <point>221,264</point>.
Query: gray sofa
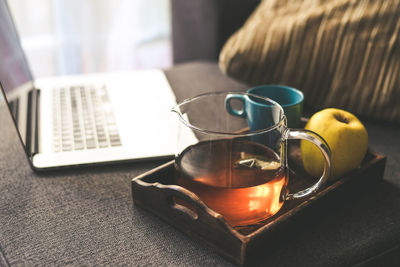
<point>87,217</point>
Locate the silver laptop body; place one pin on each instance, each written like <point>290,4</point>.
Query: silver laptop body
<point>85,119</point>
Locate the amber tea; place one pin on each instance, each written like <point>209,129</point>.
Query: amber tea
<point>242,180</point>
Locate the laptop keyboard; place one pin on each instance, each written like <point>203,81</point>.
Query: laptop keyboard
<point>83,119</point>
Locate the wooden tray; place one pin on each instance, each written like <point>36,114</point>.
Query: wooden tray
<point>155,191</point>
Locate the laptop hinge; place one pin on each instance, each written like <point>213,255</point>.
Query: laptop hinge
<point>32,123</point>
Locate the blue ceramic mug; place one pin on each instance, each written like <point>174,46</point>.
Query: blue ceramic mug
<point>257,113</point>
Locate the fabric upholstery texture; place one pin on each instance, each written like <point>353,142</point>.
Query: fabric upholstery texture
<point>343,54</point>
<point>86,217</point>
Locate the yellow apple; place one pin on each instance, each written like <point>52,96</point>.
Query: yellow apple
<point>346,137</point>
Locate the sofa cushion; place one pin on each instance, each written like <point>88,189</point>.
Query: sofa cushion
<point>342,54</point>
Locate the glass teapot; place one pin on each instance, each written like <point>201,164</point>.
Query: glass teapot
<point>232,153</point>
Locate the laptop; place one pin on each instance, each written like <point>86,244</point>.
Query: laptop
<point>78,120</point>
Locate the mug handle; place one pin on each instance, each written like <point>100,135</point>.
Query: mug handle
<point>232,111</point>
<point>326,152</point>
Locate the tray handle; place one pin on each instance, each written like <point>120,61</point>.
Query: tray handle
<point>169,191</point>
<point>164,204</point>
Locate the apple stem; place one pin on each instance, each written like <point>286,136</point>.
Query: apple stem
<point>340,118</point>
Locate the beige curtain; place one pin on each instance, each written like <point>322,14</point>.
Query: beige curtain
<point>82,36</point>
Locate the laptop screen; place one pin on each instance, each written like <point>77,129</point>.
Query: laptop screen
<point>14,69</point>
<point>15,76</point>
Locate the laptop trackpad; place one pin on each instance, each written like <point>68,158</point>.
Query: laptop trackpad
<point>142,104</point>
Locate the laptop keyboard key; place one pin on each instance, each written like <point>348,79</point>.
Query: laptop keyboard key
<point>83,119</point>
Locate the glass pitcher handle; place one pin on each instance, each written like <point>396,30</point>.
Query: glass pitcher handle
<point>326,152</point>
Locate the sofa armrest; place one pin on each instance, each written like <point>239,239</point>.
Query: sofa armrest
<point>201,27</point>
